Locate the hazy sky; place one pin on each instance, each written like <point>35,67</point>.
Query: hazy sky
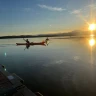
<point>43,16</point>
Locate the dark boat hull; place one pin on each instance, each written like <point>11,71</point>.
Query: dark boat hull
<point>32,43</point>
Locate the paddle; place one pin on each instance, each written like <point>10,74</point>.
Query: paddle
<point>24,48</point>
<point>24,39</point>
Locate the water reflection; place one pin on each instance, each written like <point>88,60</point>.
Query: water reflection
<point>28,46</point>
<point>5,54</point>
<point>92,42</point>
<point>61,69</point>
<point>92,35</point>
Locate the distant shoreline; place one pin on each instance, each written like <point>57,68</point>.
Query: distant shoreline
<point>29,36</point>
<point>44,35</point>
<point>13,37</point>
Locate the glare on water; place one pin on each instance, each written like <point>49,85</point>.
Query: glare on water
<point>92,42</point>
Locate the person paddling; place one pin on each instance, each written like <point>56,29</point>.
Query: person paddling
<point>46,40</point>
<point>27,41</point>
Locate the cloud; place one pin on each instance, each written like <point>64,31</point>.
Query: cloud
<point>76,11</point>
<point>51,8</point>
<point>26,9</point>
<point>93,6</point>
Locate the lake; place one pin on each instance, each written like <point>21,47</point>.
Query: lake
<point>66,67</point>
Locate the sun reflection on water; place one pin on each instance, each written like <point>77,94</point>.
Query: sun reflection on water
<point>92,42</point>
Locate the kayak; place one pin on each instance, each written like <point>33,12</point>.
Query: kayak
<point>32,43</point>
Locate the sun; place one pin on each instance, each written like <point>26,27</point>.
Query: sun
<point>92,27</point>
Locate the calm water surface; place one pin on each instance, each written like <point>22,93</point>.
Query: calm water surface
<point>66,67</point>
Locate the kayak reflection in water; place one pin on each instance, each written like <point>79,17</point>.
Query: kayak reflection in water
<point>27,41</point>
<point>27,47</point>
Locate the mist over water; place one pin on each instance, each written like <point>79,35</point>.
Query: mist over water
<point>66,67</point>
